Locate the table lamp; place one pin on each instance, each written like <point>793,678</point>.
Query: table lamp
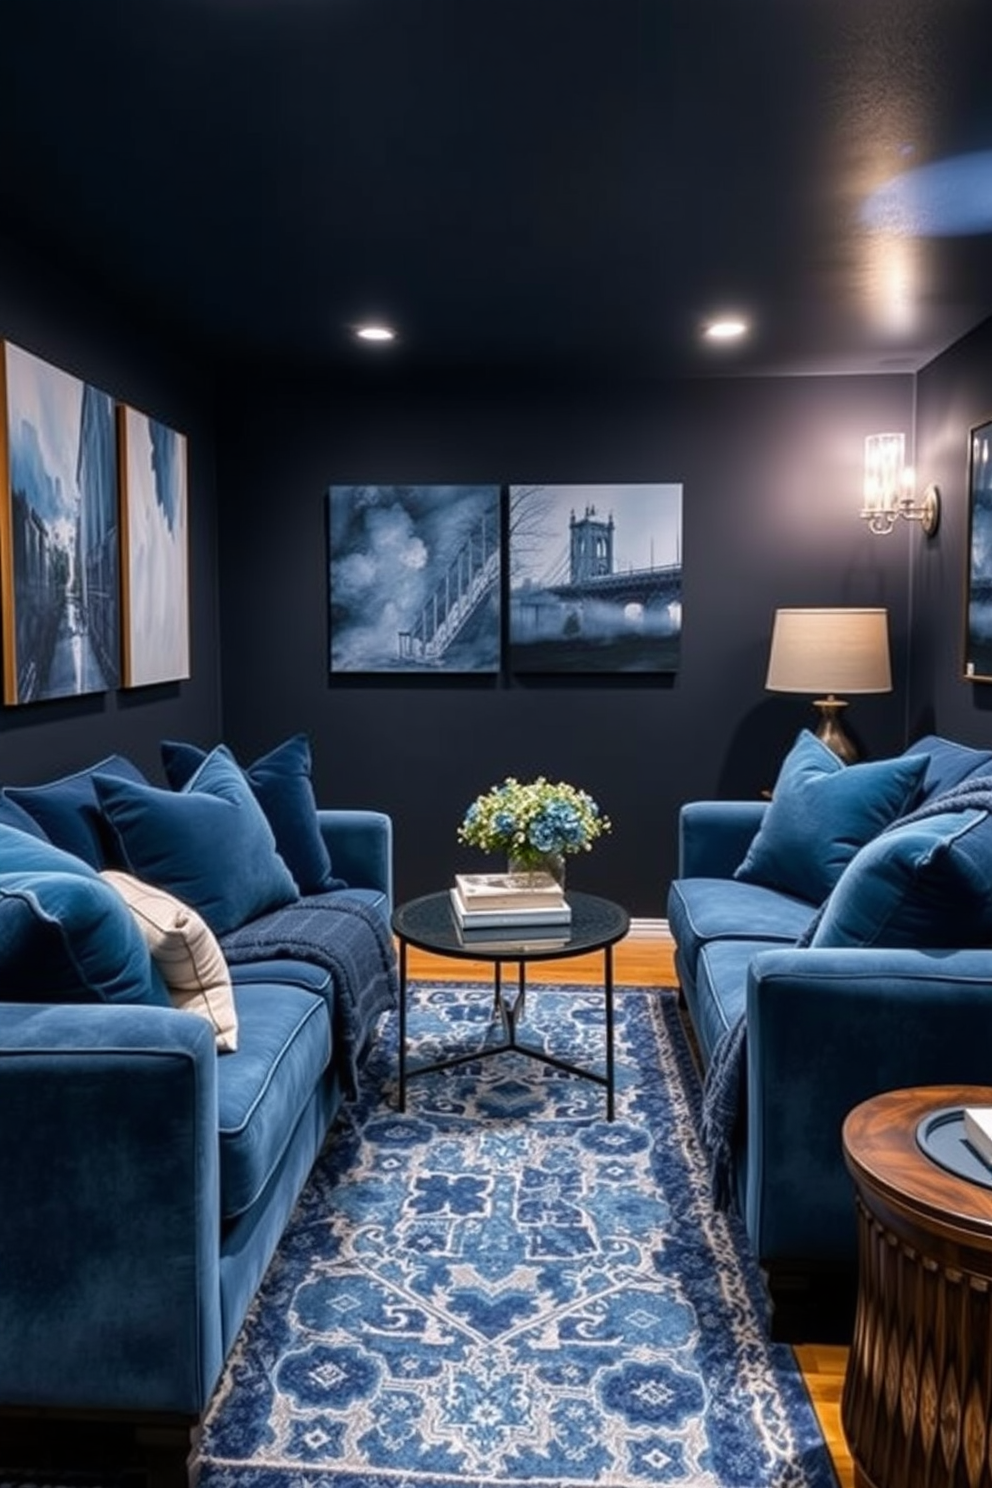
<point>830,651</point>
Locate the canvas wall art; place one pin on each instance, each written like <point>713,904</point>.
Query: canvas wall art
<point>59,538</point>
<point>155,547</point>
<point>978,600</point>
<point>595,578</point>
<point>414,576</point>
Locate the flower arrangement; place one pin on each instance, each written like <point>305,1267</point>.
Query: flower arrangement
<point>533,821</point>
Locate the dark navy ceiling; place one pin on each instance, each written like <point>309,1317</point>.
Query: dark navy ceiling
<point>559,186</point>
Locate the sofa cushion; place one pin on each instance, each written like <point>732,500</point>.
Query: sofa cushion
<point>821,812</point>
<point>68,810</point>
<point>721,989</point>
<point>284,1045</point>
<point>701,910</point>
<point>185,950</point>
<point>282,786</point>
<point>69,937</point>
<point>209,844</point>
<point>926,884</point>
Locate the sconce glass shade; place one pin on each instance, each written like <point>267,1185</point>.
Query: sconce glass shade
<point>830,651</point>
<point>889,488</point>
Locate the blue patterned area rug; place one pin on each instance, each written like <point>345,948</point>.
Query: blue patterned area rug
<point>501,1287</point>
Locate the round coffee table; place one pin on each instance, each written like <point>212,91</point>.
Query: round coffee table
<point>429,924</point>
<point>917,1400</point>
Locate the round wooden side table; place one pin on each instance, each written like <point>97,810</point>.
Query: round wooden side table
<point>917,1401</point>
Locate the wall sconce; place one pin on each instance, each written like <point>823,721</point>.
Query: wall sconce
<point>830,651</point>
<point>889,488</point>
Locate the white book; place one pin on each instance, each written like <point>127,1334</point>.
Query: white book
<point>495,919</point>
<point>508,890</point>
<point>978,1130</point>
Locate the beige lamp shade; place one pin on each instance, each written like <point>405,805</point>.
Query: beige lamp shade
<point>830,651</point>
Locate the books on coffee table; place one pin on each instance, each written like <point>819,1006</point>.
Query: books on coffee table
<point>978,1130</point>
<point>502,891</point>
<point>515,939</point>
<point>518,915</point>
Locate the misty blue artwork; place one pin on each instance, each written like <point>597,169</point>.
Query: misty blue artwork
<point>978,641</point>
<point>595,578</point>
<point>414,578</point>
<point>156,566</point>
<point>59,534</point>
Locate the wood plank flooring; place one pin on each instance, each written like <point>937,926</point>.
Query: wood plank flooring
<point>642,960</point>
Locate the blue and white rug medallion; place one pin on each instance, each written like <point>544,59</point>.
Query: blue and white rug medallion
<point>501,1287</point>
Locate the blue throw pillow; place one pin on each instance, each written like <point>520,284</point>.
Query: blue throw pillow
<point>69,937</point>
<point>925,884</point>
<point>821,812</point>
<point>949,763</point>
<point>281,783</point>
<point>69,813</point>
<point>26,852</point>
<point>12,815</point>
<point>208,844</point>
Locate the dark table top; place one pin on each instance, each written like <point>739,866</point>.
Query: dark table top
<point>429,923</point>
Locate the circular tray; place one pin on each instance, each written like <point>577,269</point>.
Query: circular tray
<point>941,1137</point>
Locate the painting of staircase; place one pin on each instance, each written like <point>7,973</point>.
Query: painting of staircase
<point>415,578</point>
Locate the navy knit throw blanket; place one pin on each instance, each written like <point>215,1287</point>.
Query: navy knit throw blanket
<point>346,938</point>
<point>724,1110</point>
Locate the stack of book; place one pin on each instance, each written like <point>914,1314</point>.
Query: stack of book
<point>518,908</point>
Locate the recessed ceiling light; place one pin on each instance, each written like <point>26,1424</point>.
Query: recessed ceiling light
<point>375,333</point>
<point>726,328</point>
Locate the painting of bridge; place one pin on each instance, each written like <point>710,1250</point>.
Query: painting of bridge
<point>978,640</point>
<point>595,578</point>
<point>415,575</point>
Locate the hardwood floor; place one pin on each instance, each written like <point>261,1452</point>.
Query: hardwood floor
<point>647,961</point>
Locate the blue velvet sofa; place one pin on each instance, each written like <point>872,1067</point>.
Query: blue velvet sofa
<point>152,1150</point>
<point>831,943</point>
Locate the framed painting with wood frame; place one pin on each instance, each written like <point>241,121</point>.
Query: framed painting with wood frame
<point>978,596</point>
<point>155,550</point>
<point>59,537</point>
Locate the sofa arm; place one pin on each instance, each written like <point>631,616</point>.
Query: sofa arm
<point>715,835</point>
<point>827,1029</point>
<point>361,847</point>
<point>109,1221</point>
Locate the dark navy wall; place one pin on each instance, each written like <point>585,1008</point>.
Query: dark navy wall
<point>772,482</point>
<point>954,393</point>
<point>82,329</point>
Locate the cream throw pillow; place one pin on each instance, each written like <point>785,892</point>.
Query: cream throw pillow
<point>186,952</point>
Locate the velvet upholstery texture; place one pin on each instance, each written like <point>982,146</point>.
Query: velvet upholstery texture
<point>948,763</point>
<point>284,1048</point>
<point>122,1288</point>
<point>705,909</point>
<point>209,844</point>
<point>109,1232</point>
<point>12,815</point>
<point>928,883</point>
<point>69,812</point>
<point>899,997</point>
<point>821,812</point>
<point>26,852</point>
<point>281,782</point>
<point>69,937</point>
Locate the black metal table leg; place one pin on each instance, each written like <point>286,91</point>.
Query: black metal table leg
<point>402,970</point>
<point>608,987</point>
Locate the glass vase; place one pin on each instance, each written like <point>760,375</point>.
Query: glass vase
<point>553,863</point>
